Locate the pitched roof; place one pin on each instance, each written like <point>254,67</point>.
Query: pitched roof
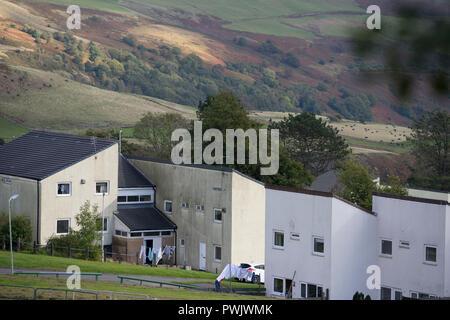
<point>130,176</point>
<point>326,182</point>
<point>139,217</point>
<point>40,154</point>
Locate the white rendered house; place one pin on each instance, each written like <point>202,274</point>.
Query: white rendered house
<point>317,245</point>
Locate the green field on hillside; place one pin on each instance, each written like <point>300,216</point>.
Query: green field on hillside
<point>69,105</point>
<point>9,130</point>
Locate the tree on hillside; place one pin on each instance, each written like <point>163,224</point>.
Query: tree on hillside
<point>226,111</point>
<point>357,183</point>
<point>394,186</point>
<point>126,147</point>
<point>430,146</point>
<point>156,130</point>
<point>311,141</point>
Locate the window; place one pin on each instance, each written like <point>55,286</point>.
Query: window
<point>397,295</point>
<point>151,234</point>
<point>182,243</point>
<point>118,233</point>
<point>217,253</point>
<point>386,247</point>
<point>199,207</point>
<point>167,206</point>
<point>136,234</point>
<point>133,199</point>
<point>64,189</point>
<point>121,199</point>
<point>278,239</point>
<point>185,205</point>
<point>414,295</point>
<point>102,187</point>
<point>105,224</point>
<point>124,234</point>
<point>62,226</point>
<point>309,290</point>
<point>145,198</point>
<point>278,286</point>
<point>404,244</point>
<point>385,293</point>
<point>318,245</point>
<point>430,254</point>
<point>217,215</point>
<point>165,233</point>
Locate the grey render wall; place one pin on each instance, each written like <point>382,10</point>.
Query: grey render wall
<point>26,204</point>
<point>196,186</point>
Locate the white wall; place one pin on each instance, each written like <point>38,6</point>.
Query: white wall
<point>419,223</point>
<point>353,249</point>
<point>305,214</point>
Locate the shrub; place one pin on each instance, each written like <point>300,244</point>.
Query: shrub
<point>20,227</point>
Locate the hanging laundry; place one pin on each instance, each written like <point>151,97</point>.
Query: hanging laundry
<point>228,272</point>
<point>142,252</point>
<point>159,253</point>
<point>171,251</point>
<point>166,250</point>
<point>150,254</point>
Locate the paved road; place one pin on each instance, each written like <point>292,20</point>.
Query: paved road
<point>113,277</point>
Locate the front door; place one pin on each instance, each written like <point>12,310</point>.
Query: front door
<point>148,248</point>
<point>202,263</point>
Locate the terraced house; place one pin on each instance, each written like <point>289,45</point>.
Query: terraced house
<point>54,174</point>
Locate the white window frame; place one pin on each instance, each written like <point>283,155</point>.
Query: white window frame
<point>106,225</point>
<point>56,226</point>
<point>306,289</point>
<point>214,215</point>
<point>316,253</point>
<point>273,286</point>
<point>107,187</point>
<point>184,205</point>
<point>381,248</point>
<point>182,243</point>
<point>425,261</point>
<point>199,208</point>
<point>64,195</point>
<point>167,201</point>
<point>214,248</point>
<point>275,246</point>
<point>393,291</point>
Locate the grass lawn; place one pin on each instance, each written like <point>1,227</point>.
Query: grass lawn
<point>31,261</point>
<point>9,130</point>
<point>154,292</point>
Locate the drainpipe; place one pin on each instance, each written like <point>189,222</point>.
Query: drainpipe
<point>38,213</point>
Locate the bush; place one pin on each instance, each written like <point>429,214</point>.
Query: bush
<point>20,227</point>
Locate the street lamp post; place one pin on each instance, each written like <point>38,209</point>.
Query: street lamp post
<point>103,226</point>
<point>13,197</point>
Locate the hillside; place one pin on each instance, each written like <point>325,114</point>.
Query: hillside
<point>293,56</point>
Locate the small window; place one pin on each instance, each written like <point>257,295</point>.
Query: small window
<point>386,247</point>
<point>430,254</point>
<point>121,199</point>
<point>124,234</point>
<point>182,243</point>
<point>318,245</point>
<point>136,234</point>
<point>303,290</point>
<point>199,207</point>
<point>167,206</point>
<point>133,199</point>
<point>151,234</point>
<point>404,244</point>
<point>185,205</point>
<point>64,189</point>
<point>145,198</point>
<point>278,285</point>
<point>385,293</point>
<point>414,295</point>
<point>278,239</point>
<point>217,253</point>
<point>309,290</point>
<point>102,187</point>
<point>423,295</point>
<point>118,233</point>
<point>62,226</point>
<point>217,215</point>
<point>397,295</point>
<point>105,224</point>
<point>165,233</point>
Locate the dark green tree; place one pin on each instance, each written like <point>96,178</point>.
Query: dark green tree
<point>311,141</point>
<point>430,146</point>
